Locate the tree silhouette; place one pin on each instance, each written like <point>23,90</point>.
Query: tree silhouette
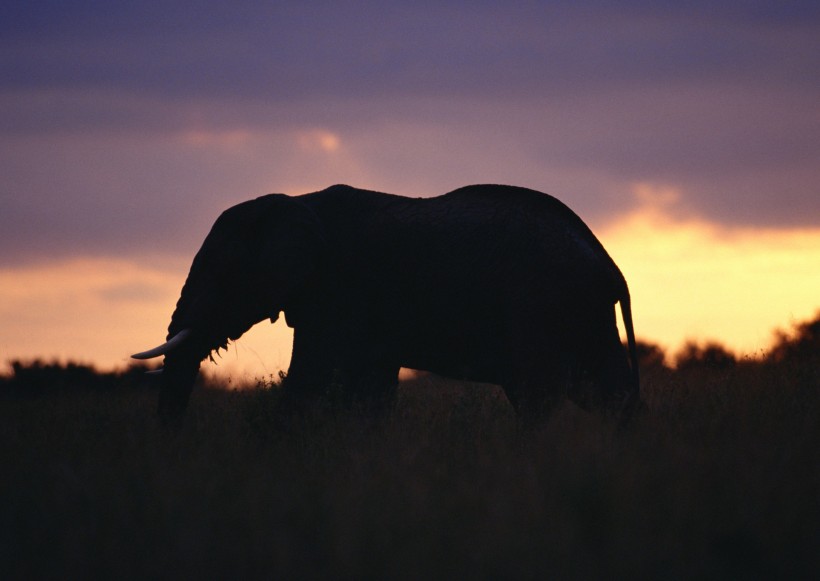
<point>710,355</point>
<point>802,345</point>
<point>650,356</point>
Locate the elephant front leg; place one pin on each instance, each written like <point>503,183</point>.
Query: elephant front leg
<point>309,376</point>
<point>334,367</point>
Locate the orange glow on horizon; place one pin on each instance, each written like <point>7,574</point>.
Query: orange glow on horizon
<point>99,311</point>
<point>695,280</point>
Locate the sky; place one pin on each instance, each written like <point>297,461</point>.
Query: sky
<point>687,135</point>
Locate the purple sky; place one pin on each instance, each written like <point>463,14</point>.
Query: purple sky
<point>126,127</point>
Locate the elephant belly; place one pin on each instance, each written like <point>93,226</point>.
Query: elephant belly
<point>472,358</point>
<point>470,371</point>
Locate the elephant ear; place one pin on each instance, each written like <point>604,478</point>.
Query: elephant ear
<point>292,242</point>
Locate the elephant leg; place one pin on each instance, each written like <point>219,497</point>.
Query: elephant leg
<point>373,387</point>
<point>536,369</point>
<point>331,366</point>
<point>616,379</point>
<point>534,400</point>
<point>309,376</point>
<point>601,377</point>
<point>537,385</point>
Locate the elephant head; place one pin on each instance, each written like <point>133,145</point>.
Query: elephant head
<point>255,260</point>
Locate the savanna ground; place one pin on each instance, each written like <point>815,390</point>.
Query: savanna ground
<point>718,478</point>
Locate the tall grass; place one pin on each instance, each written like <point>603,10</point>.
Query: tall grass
<point>719,478</point>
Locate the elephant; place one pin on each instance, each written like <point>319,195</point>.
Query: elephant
<point>487,283</point>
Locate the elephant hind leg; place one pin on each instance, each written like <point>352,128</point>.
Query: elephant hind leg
<point>602,378</point>
<point>537,389</point>
<point>373,388</point>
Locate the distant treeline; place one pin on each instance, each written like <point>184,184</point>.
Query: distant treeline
<point>801,346</point>
<point>37,377</point>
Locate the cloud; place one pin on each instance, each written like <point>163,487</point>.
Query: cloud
<point>131,292</point>
<point>319,140</point>
<point>694,279</point>
<point>126,129</point>
<point>291,51</point>
<point>335,53</point>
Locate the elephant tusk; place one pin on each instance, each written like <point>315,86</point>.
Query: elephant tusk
<point>154,372</point>
<point>166,347</point>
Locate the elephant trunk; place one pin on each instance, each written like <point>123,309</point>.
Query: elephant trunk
<point>186,347</point>
<point>178,377</point>
<point>183,354</point>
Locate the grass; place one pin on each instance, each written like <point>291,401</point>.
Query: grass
<point>720,478</point>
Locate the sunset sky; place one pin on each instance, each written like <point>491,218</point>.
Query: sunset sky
<point>687,135</point>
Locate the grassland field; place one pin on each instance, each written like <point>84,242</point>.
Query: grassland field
<point>719,478</point>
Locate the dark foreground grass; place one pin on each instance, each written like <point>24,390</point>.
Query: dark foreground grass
<point>720,478</point>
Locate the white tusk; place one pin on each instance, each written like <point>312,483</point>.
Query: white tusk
<point>154,372</point>
<point>169,345</point>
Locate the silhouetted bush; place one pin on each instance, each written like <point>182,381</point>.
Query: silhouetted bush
<point>711,356</point>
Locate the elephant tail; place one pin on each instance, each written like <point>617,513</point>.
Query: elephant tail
<point>626,314</point>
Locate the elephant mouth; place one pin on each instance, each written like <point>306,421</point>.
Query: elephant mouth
<point>186,344</point>
<point>167,347</point>
<point>193,343</point>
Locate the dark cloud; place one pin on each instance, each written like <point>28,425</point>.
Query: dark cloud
<point>581,99</point>
<point>368,50</point>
